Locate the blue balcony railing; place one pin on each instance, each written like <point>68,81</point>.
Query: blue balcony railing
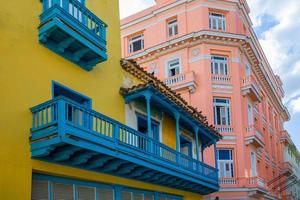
<point>64,118</point>
<point>73,31</point>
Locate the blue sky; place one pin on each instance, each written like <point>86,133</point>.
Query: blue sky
<point>277,25</point>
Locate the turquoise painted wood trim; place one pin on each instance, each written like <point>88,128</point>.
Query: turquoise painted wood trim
<point>162,102</point>
<point>89,137</point>
<point>216,156</point>
<point>197,143</point>
<point>83,26</point>
<point>77,127</point>
<point>54,85</point>
<point>177,118</point>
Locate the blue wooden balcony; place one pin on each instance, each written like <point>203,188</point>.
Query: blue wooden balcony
<point>69,29</point>
<point>68,133</point>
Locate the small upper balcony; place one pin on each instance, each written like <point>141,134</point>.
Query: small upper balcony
<point>250,88</point>
<point>285,138</point>
<point>221,79</point>
<point>257,182</point>
<point>182,81</point>
<point>71,30</point>
<point>225,129</point>
<point>228,182</point>
<point>287,167</point>
<point>253,136</point>
<point>66,132</point>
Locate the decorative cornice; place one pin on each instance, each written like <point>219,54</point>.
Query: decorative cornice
<point>245,43</point>
<point>148,79</point>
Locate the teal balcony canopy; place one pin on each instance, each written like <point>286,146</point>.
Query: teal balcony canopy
<point>71,30</point>
<point>68,133</point>
<point>161,101</point>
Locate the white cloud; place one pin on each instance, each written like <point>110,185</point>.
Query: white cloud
<point>129,7</point>
<point>296,68</point>
<point>295,105</point>
<point>281,43</point>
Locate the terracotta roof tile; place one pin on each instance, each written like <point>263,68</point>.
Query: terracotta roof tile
<point>150,80</point>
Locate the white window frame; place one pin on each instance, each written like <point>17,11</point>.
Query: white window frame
<point>226,167</point>
<point>253,164</point>
<point>250,113</point>
<point>134,39</point>
<point>168,67</point>
<point>225,111</point>
<point>217,21</point>
<point>172,27</point>
<point>219,65</point>
<point>247,70</point>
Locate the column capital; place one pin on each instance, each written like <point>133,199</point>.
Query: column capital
<point>177,115</point>
<point>196,129</point>
<point>147,95</point>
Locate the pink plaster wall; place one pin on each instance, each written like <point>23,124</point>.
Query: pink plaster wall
<point>193,17</point>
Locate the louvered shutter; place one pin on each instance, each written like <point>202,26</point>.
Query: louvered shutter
<point>106,194</point>
<point>138,196</point>
<point>86,193</point>
<point>39,190</point>
<point>126,196</point>
<point>62,191</point>
<point>149,197</point>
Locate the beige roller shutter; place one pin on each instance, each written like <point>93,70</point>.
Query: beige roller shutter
<point>106,194</point>
<point>86,193</point>
<point>149,197</point>
<point>138,196</point>
<point>126,196</point>
<point>63,191</point>
<point>39,190</point>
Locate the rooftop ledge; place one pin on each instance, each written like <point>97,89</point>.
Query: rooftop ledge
<point>68,133</point>
<point>71,30</point>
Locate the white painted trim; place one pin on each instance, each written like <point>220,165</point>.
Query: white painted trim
<point>199,58</point>
<point>186,37</point>
<point>174,57</point>
<point>170,6</point>
<point>222,92</point>
<point>217,86</point>
<point>236,60</point>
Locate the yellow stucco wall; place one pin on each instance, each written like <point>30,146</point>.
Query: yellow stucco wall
<point>169,130</point>
<point>26,71</point>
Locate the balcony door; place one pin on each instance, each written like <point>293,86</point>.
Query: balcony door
<point>173,67</point>
<point>225,163</point>
<point>186,146</point>
<point>143,128</point>
<point>74,114</point>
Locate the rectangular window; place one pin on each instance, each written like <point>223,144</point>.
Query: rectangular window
<point>186,146</point>
<point>55,188</point>
<point>136,43</point>
<point>222,113</point>
<point>225,163</point>
<point>173,67</point>
<point>217,21</point>
<point>219,65</point>
<point>250,114</point>
<point>253,164</point>
<point>143,128</point>
<point>84,192</point>
<point>63,191</point>
<point>247,70</point>
<point>172,28</point>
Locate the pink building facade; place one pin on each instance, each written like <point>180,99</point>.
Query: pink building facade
<point>207,51</point>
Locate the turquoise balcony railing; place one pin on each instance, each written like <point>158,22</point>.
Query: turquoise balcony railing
<point>71,30</point>
<point>68,133</point>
